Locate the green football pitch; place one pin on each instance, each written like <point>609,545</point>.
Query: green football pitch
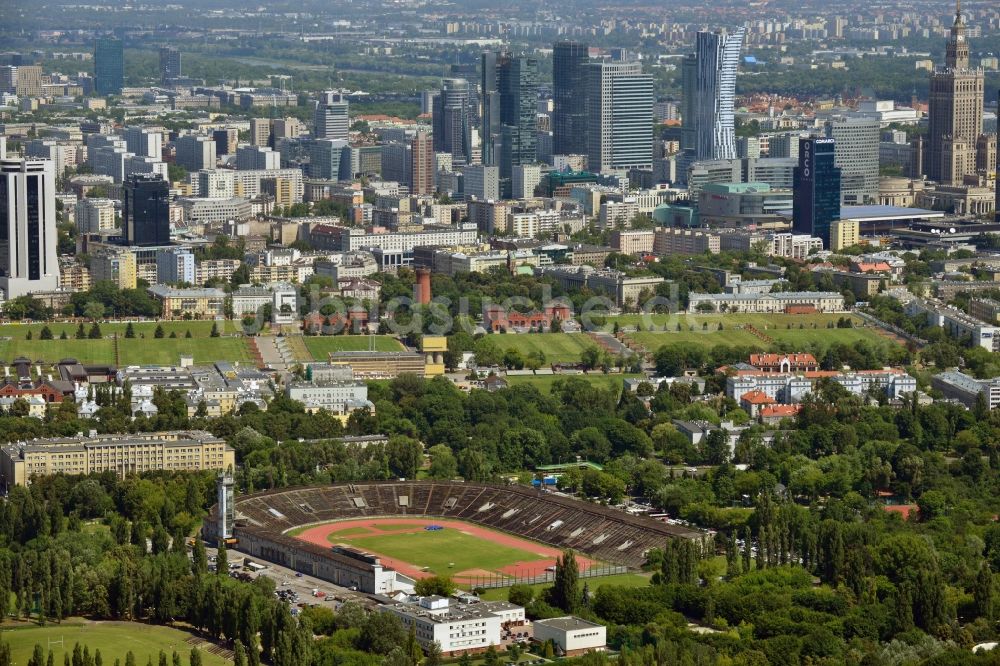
<point>113,639</point>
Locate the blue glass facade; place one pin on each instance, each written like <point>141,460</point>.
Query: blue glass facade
<point>816,195</point>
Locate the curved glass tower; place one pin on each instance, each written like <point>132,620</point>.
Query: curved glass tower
<point>709,79</point>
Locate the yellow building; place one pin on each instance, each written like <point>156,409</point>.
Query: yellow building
<point>124,454</point>
<point>433,347</point>
<point>844,233</point>
<point>74,276</point>
<point>198,303</point>
<point>118,267</point>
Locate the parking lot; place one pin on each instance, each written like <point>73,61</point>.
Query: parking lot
<point>292,587</point>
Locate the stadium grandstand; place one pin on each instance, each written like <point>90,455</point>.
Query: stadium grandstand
<point>263,520</point>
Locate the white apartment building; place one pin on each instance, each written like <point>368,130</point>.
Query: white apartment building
<point>94,215</point>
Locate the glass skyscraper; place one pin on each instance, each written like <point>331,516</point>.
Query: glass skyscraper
<point>816,190</point>
<point>709,81</point>
<point>451,122</point>
<point>569,90</point>
<point>146,210</point>
<point>109,66</point>
<point>517,83</point>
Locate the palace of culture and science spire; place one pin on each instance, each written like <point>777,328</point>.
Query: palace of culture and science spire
<point>956,144</point>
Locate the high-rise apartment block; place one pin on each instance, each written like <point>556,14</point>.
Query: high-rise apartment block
<point>261,132</point>
<point>94,215</point>
<point>146,210</point>
<point>195,152</point>
<point>422,164</point>
<point>144,143</point>
<point>816,191</point>
<point>28,261</point>
<point>955,112</point>
<point>109,66</point>
<point>709,82</point>
<point>257,157</point>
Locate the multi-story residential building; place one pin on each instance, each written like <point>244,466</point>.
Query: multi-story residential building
<point>216,184</point>
<point>94,215</point>
<point>985,309</point>
<point>956,323</point>
<point>261,131</point>
<point>175,265</point>
<point>179,450</point>
<point>709,81</point>
<point>197,303</point>
<point>73,276</point>
<point>844,233</point>
<point>116,266</point>
<point>633,242</point>
<point>618,214</point>
<point>401,244</point>
<point>789,301</point>
<point>144,143</point>
<point>257,157</point>
<point>194,152</point>
<point>481,182</point>
<point>216,269</point>
<point>671,240</point>
<point>351,265</point>
<point>967,389</point>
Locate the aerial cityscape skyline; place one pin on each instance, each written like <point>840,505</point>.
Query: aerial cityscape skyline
<point>411,334</point>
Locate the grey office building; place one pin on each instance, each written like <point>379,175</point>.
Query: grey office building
<point>619,106</point>
<point>517,80</point>
<point>857,156</point>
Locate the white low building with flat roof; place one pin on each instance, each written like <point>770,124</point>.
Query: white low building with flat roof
<point>572,635</point>
<point>456,627</point>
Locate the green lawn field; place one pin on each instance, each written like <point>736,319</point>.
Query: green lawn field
<point>445,552</point>
<point>322,346</point>
<point>600,380</point>
<point>113,639</point>
<point>761,321</point>
<point>557,347</point>
<point>624,580</point>
<point>137,351</point>
<point>780,327</point>
<point>199,329</point>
